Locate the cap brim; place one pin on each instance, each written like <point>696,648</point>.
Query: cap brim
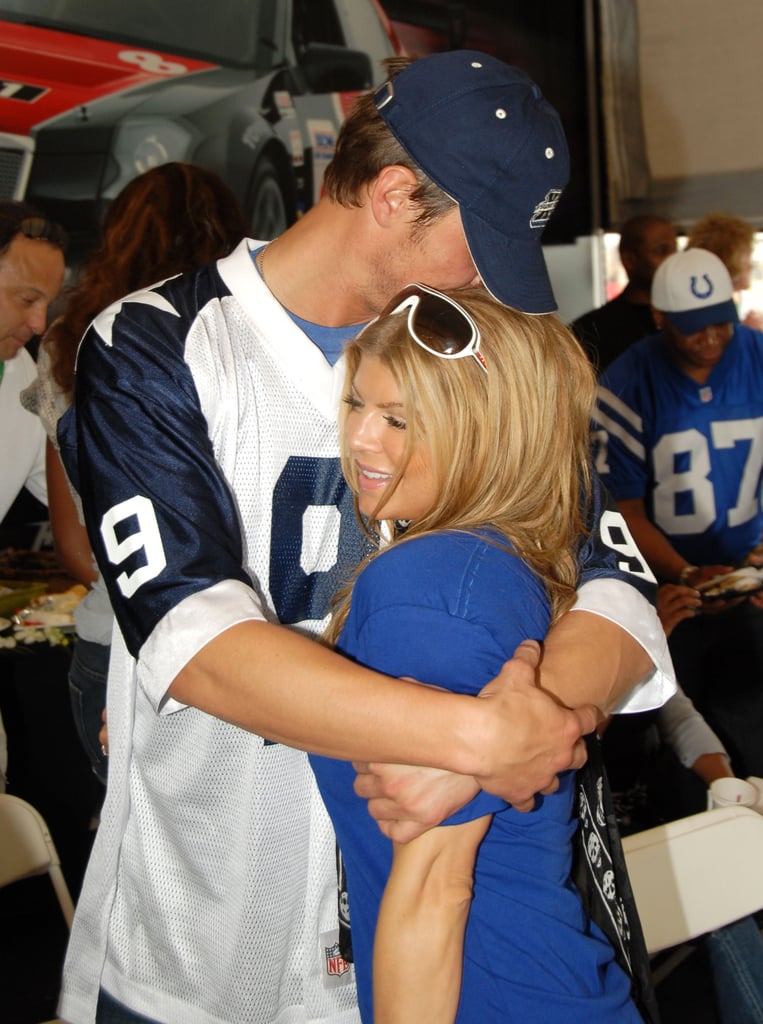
<point>691,321</point>
<point>513,271</point>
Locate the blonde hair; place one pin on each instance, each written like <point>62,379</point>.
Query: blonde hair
<point>509,448</point>
<point>729,237</point>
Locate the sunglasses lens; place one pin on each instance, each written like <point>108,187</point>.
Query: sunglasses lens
<point>436,323</point>
<point>38,227</point>
<point>441,327</point>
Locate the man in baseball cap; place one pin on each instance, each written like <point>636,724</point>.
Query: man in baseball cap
<point>692,297</point>
<point>680,415</point>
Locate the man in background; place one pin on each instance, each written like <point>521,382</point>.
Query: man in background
<point>679,420</point>
<point>31,274</point>
<point>607,331</point>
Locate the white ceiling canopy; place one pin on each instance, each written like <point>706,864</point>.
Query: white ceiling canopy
<point>682,86</point>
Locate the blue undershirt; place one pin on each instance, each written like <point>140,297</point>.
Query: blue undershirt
<point>330,340</point>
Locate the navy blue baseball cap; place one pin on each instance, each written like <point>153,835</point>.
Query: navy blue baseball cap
<point>482,131</point>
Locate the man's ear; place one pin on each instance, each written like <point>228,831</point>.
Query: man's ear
<point>390,194</point>
<point>659,318</point>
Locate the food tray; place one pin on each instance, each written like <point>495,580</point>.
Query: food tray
<point>15,594</point>
<point>739,583</point>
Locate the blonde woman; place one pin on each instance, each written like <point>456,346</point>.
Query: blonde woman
<point>465,436</point>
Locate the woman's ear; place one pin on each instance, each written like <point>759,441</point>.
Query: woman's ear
<point>390,194</point>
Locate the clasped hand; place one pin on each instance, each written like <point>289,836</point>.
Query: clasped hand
<point>529,738</point>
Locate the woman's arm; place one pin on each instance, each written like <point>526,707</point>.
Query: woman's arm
<point>419,946</point>
<point>69,535</point>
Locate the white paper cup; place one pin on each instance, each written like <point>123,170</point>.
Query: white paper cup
<point>731,792</point>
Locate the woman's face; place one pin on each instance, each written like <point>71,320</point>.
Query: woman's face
<point>375,437</point>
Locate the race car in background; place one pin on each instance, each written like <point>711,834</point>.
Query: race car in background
<point>93,94</point>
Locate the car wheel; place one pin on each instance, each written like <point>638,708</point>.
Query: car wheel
<point>267,208</point>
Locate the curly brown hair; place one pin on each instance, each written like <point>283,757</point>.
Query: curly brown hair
<point>169,220</point>
<point>729,237</point>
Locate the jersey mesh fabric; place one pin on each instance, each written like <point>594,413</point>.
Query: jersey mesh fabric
<point>213,876</point>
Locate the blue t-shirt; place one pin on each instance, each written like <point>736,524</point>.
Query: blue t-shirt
<point>449,609</point>
<point>693,452</point>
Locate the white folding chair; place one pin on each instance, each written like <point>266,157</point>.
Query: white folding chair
<point>27,849</point>
<point>694,875</point>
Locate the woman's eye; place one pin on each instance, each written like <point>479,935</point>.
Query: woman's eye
<point>396,423</point>
<point>352,401</point>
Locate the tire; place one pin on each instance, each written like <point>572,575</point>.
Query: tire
<point>268,216</point>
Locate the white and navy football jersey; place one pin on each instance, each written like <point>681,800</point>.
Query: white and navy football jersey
<point>693,452</point>
<point>204,445</point>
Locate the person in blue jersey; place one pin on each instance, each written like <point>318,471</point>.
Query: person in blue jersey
<point>679,421</point>
<point>455,407</point>
<point>203,442</point>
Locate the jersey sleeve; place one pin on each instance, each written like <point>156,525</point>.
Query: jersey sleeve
<point>618,434</point>
<point>608,550</point>
<point>617,583</point>
<point>161,519</point>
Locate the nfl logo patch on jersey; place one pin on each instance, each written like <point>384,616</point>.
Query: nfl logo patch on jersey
<point>337,970</point>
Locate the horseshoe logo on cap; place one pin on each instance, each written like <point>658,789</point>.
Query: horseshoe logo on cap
<point>695,287</point>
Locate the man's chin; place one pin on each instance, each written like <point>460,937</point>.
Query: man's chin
<point>9,350</point>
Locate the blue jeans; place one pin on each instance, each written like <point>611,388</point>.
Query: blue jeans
<point>736,960</point>
<point>109,1011</point>
<point>87,693</point>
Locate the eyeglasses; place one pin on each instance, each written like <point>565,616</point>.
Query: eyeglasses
<point>437,323</point>
<point>34,227</point>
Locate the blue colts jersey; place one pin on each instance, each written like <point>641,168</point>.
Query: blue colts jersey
<point>693,452</point>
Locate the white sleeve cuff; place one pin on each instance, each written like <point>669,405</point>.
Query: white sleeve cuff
<point>622,604</point>
<point>185,629</point>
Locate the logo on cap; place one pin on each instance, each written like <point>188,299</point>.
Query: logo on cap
<point>695,288</point>
<point>544,209</point>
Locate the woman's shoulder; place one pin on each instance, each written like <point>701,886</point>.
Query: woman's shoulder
<point>448,568</point>
<point>443,550</point>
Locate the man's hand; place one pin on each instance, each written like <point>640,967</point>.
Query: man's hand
<point>676,603</point>
<point>533,737</point>
<point>406,801</point>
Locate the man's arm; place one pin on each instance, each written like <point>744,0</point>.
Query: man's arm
<point>282,686</point>
<point>588,659</point>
